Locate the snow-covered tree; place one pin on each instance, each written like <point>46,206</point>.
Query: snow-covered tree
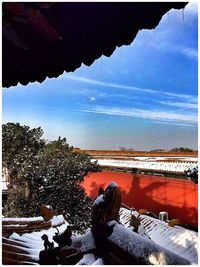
<point>18,144</point>
<point>53,176</point>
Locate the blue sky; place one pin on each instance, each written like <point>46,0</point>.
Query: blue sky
<point>143,97</point>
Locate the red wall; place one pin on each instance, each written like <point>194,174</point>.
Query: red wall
<point>178,197</point>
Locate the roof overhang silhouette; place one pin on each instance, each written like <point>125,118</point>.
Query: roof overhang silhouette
<point>42,40</point>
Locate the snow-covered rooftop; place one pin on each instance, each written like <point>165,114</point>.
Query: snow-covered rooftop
<point>169,242</point>
<point>177,239</point>
<point>173,167</point>
<point>32,219</point>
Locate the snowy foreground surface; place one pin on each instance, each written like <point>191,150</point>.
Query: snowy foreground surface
<point>149,164</point>
<point>161,243</point>
<point>176,239</point>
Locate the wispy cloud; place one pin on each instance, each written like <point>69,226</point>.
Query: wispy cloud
<point>186,51</point>
<point>108,84</point>
<point>179,104</point>
<point>189,52</point>
<point>189,98</point>
<point>166,46</point>
<point>143,113</point>
<point>127,87</point>
<point>174,123</point>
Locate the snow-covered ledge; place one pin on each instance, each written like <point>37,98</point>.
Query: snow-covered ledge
<point>143,248</point>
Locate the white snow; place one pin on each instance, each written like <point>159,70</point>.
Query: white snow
<point>144,248</point>
<point>57,220</point>
<point>99,261</point>
<point>87,259</point>
<point>141,231</point>
<point>4,185</point>
<point>15,225</point>
<point>32,219</point>
<point>84,242</point>
<point>34,239</point>
<point>14,236</point>
<point>176,167</point>
<point>166,158</point>
<point>177,239</point>
<point>165,246</point>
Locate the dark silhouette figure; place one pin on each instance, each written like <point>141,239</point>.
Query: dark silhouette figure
<point>64,238</point>
<point>47,256</point>
<point>47,244</point>
<point>106,208</point>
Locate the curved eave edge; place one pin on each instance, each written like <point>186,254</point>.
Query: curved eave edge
<point>130,36</point>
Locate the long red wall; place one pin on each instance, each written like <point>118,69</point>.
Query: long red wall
<point>178,197</point>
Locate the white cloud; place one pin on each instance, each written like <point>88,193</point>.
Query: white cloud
<point>164,45</point>
<point>92,98</point>
<point>189,98</point>
<point>189,52</point>
<point>145,114</point>
<point>107,84</point>
<point>179,104</point>
<point>174,123</point>
<point>127,87</point>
